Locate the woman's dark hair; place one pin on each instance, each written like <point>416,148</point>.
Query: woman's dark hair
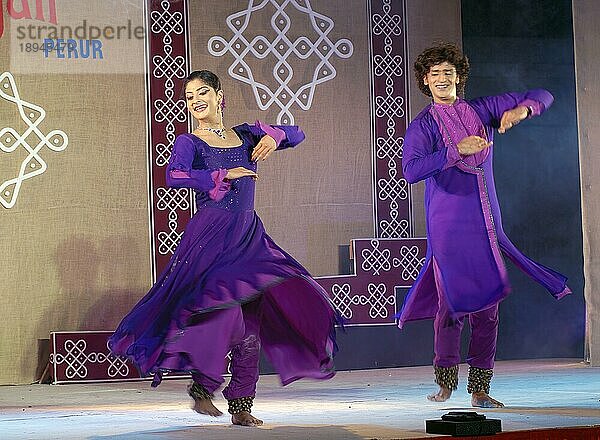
<point>208,78</point>
<point>442,52</point>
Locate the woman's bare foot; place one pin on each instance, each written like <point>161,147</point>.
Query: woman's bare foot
<point>244,418</point>
<point>205,406</point>
<point>483,400</point>
<point>441,396</point>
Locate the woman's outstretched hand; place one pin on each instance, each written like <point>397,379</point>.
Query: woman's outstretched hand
<point>236,173</point>
<point>472,144</point>
<point>512,117</point>
<point>264,148</point>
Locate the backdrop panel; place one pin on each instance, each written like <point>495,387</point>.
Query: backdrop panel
<point>87,221</point>
<point>286,62</point>
<point>74,216</point>
<point>586,14</point>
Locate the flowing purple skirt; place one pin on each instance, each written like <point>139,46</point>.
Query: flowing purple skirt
<point>226,259</point>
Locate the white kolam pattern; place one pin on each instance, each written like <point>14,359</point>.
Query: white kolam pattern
<point>78,360</point>
<point>279,51</point>
<point>168,110</point>
<point>392,188</point>
<point>13,141</point>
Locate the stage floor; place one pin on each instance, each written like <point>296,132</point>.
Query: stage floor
<point>367,404</point>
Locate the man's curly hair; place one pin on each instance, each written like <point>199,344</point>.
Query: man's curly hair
<point>442,52</point>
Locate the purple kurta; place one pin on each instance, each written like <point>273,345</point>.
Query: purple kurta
<point>226,276</point>
<point>466,242</point>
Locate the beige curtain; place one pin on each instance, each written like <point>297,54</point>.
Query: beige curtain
<point>75,244</point>
<point>586,14</point>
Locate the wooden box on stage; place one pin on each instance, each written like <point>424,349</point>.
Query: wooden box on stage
<point>85,357</point>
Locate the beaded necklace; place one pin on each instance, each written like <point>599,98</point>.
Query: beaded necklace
<point>218,131</point>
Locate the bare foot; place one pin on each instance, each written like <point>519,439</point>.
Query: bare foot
<point>205,406</point>
<point>483,400</point>
<point>244,418</point>
<point>441,396</point>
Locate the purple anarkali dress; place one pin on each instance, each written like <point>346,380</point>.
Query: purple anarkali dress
<point>196,311</point>
<point>466,243</point>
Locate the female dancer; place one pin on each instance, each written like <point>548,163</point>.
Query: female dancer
<point>228,286</point>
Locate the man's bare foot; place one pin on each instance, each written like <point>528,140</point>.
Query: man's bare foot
<point>244,418</point>
<point>483,400</point>
<point>205,406</point>
<point>441,396</point>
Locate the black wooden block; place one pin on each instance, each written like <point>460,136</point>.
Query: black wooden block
<point>463,423</point>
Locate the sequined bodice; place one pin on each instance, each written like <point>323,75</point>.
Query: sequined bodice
<point>241,195</point>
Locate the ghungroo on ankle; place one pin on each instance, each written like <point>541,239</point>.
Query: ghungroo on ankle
<point>479,380</point>
<point>198,392</point>
<point>239,405</point>
<point>446,376</point>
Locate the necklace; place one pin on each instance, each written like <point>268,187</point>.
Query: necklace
<point>218,131</point>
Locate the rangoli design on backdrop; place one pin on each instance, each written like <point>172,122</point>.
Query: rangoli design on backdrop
<point>26,144</point>
<point>246,45</point>
<point>392,190</point>
<point>377,299</point>
<point>169,116</point>
<point>78,360</point>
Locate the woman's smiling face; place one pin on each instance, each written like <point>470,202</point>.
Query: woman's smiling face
<point>203,101</point>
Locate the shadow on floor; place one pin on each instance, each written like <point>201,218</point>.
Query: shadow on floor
<point>241,433</point>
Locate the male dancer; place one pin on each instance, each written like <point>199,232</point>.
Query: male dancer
<point>449,145</point>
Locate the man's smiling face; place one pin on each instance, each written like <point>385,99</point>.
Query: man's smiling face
<point>442,80</point>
